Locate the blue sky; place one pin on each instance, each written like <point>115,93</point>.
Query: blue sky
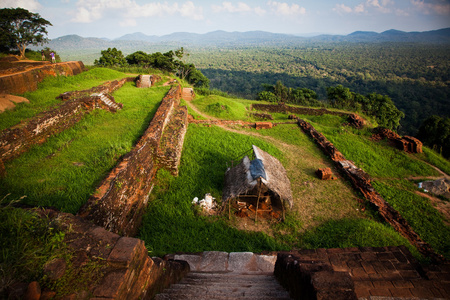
<point>114,18</point>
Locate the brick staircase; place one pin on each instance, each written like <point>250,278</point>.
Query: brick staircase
<point>107,100</point>
<point>226,276</point>
<point>188,94</point>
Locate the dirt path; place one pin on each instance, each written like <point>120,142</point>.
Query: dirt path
<point>197,111</point>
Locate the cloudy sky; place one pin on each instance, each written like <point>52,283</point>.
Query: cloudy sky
<point>114,18</point>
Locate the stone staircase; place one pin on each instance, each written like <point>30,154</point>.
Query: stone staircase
<point>107,101</point>
<point>226,276</point>
<point>188,94</point>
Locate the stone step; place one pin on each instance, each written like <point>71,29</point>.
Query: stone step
<point>213,297</point>
<point>197,285</point>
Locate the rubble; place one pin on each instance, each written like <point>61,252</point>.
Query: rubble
<point>325,174</point>
<point>439,187</point>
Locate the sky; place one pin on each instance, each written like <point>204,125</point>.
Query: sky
<point>114,18</point>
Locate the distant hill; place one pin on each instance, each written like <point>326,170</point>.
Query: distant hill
<point>75,47</point>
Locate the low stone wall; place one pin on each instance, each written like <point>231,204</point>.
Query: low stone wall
<point>360,273</point>
<point>119,202</point>
<point>19,83</point>
<point>281,108</point>
<point>362,182</point>
<point>106,88</point>
<point>18,139</point>
<point>124,269</point>
<point>312,279</point>
<point>406,143</point>
<point>169,152</point>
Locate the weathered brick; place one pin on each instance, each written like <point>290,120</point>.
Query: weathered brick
<point>125,250</point>
<point>110,285</point>
<point>400,292</point>
<point>382,284</point>
<point>421,292</point>
<point>380,292</point>
<point>359,272</point>
<point>362,292</point>
<point>368,267</point>
<point>403,284</point>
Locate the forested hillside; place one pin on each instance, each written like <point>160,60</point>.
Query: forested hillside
<point>414,75</point>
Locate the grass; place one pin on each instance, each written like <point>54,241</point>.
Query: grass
<point>354,233</point>
<point>419,213</point>
<point>45,96</point>
<point>221,107</point>
<point>27,242</point>
<point>379,159</point>
<point>436,160</point>
<point>206,154</point>
<point>64,171</point>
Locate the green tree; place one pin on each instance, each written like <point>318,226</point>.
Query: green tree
<point>20,27</point>
<point>267,96</point>
<point>384,110</point>
<point>340,96</point>
<point>435,133</point>
<point>111,57</point>
<point>197,79</point>
<point>139,58</point>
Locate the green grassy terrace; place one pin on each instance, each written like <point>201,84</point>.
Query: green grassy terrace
<point>64,171</point>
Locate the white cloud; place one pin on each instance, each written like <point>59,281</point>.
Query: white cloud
<point>442,8</point>
<point>92,10</point>
<point>380,6</point>
<point>343,9</point>
<point>282,8</point>
<point>189,10</point>
<point>240,7</point>
<point>359,8</point>
<point>31,5</point>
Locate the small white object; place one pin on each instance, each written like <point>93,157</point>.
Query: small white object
<point>426,191</point>
<point>195,201</point>
<point>420,185</point>
<point>208,200</point>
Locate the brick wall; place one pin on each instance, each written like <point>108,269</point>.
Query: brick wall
<point>361,273</point>
<point>362,182</point>
<point>126,270</point>
<point>26,81</point>
<point>18,139</point>
<point>280,108</point>
<point>119,202</point>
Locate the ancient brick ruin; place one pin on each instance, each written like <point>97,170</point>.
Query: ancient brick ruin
<point>283,108</point>
<point>356,121</point>
<point>19,83</point>
<point>125,269</point>
<point>360,273</point>
<point>406,143</point>
<point>105,88</point>
<point>325,174</point>
<point>146,81</point>
<point>18,139</point>
<point>362,182</point>
<point>409,144</point>
<point>119,202</point>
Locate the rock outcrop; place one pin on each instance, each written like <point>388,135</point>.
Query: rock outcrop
<point>25,81</point>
